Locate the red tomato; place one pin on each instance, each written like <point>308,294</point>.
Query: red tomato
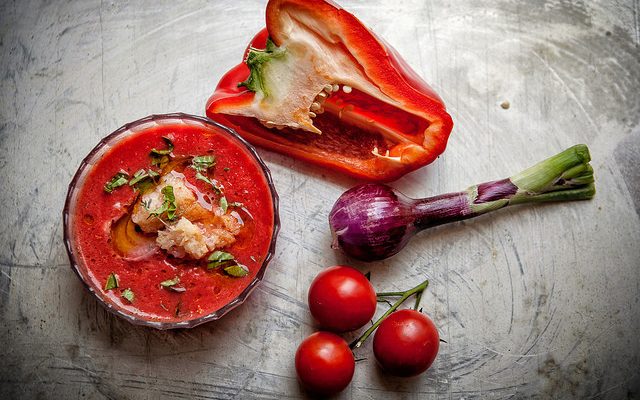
<point>342,299</point>
<point>324,363</point>
<point>406,343</point>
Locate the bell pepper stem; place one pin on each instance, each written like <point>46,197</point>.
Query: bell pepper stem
<point>403,297</point>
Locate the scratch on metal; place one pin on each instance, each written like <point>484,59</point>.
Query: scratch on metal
<point>568,90</point>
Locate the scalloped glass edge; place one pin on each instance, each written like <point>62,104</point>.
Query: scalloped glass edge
<point>104,145</point>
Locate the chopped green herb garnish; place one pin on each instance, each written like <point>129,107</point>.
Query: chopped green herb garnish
<point>236,270</point>
<point>138,176</point>
<point>203,178</point>
<point>160,158</point>
<point>226,260</point>
<point>203,163</point>
<point>170,199</point>
<point>112,282</point>
<point>224,204</point>
<point>163,152</point>
<point>226,169</point>
<point>143,180</point>
<point>144,185</point>
<point>219,258</point>
<point>128,294</point>
<point>236,204</point>
<point>169,205</point>
<point>171,285</point>
<point>141,175</point>
<point>119,179</point>
<point>159,161</point>
<point>170,282</point>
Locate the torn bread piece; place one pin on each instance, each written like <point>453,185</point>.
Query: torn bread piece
<point>200,227</point>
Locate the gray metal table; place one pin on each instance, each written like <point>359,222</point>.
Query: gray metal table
<point>534,301</point>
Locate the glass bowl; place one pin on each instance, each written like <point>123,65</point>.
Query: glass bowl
<point>126,131</point>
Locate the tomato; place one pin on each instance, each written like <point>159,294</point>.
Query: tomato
<point>406,343</point>
<point>324,363</point>
<point>342,299</point>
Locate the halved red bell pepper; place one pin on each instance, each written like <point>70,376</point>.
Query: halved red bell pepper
<point>327,90</point>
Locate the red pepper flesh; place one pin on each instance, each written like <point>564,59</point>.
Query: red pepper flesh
<point>384,123</point>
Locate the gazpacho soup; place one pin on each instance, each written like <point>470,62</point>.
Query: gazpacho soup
<point>171,221</point>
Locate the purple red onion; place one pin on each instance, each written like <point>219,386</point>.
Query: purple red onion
<point>373,221</point>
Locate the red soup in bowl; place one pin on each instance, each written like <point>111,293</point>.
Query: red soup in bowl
<point>171,221</point>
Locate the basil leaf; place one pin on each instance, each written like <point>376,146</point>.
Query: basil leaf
<point>204,178</point>
<point>168,205</point>
<point>112,282</point>
<point>236,270</point>
<point>170,200</point>
<point>219,258</point>
<point>170,282</point>
<point>159,161</point>
<point>203,163</point>
<point>160,158</point>
<point>142,180</point>
<point>223,204</point>
<point>128,294</point>
<point>138,176</point>
<point>163,152</point>
<point>119,179</point>
<point>144,185</point>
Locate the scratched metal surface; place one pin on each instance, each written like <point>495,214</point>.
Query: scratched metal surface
<point>533,302</point>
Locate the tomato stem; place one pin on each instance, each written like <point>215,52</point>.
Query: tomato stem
<point>390,294</point>
<point>385,301</point>
<point>418,298</point>
<point>404,296</point>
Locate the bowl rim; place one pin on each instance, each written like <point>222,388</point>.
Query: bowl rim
<point>85,166</point>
